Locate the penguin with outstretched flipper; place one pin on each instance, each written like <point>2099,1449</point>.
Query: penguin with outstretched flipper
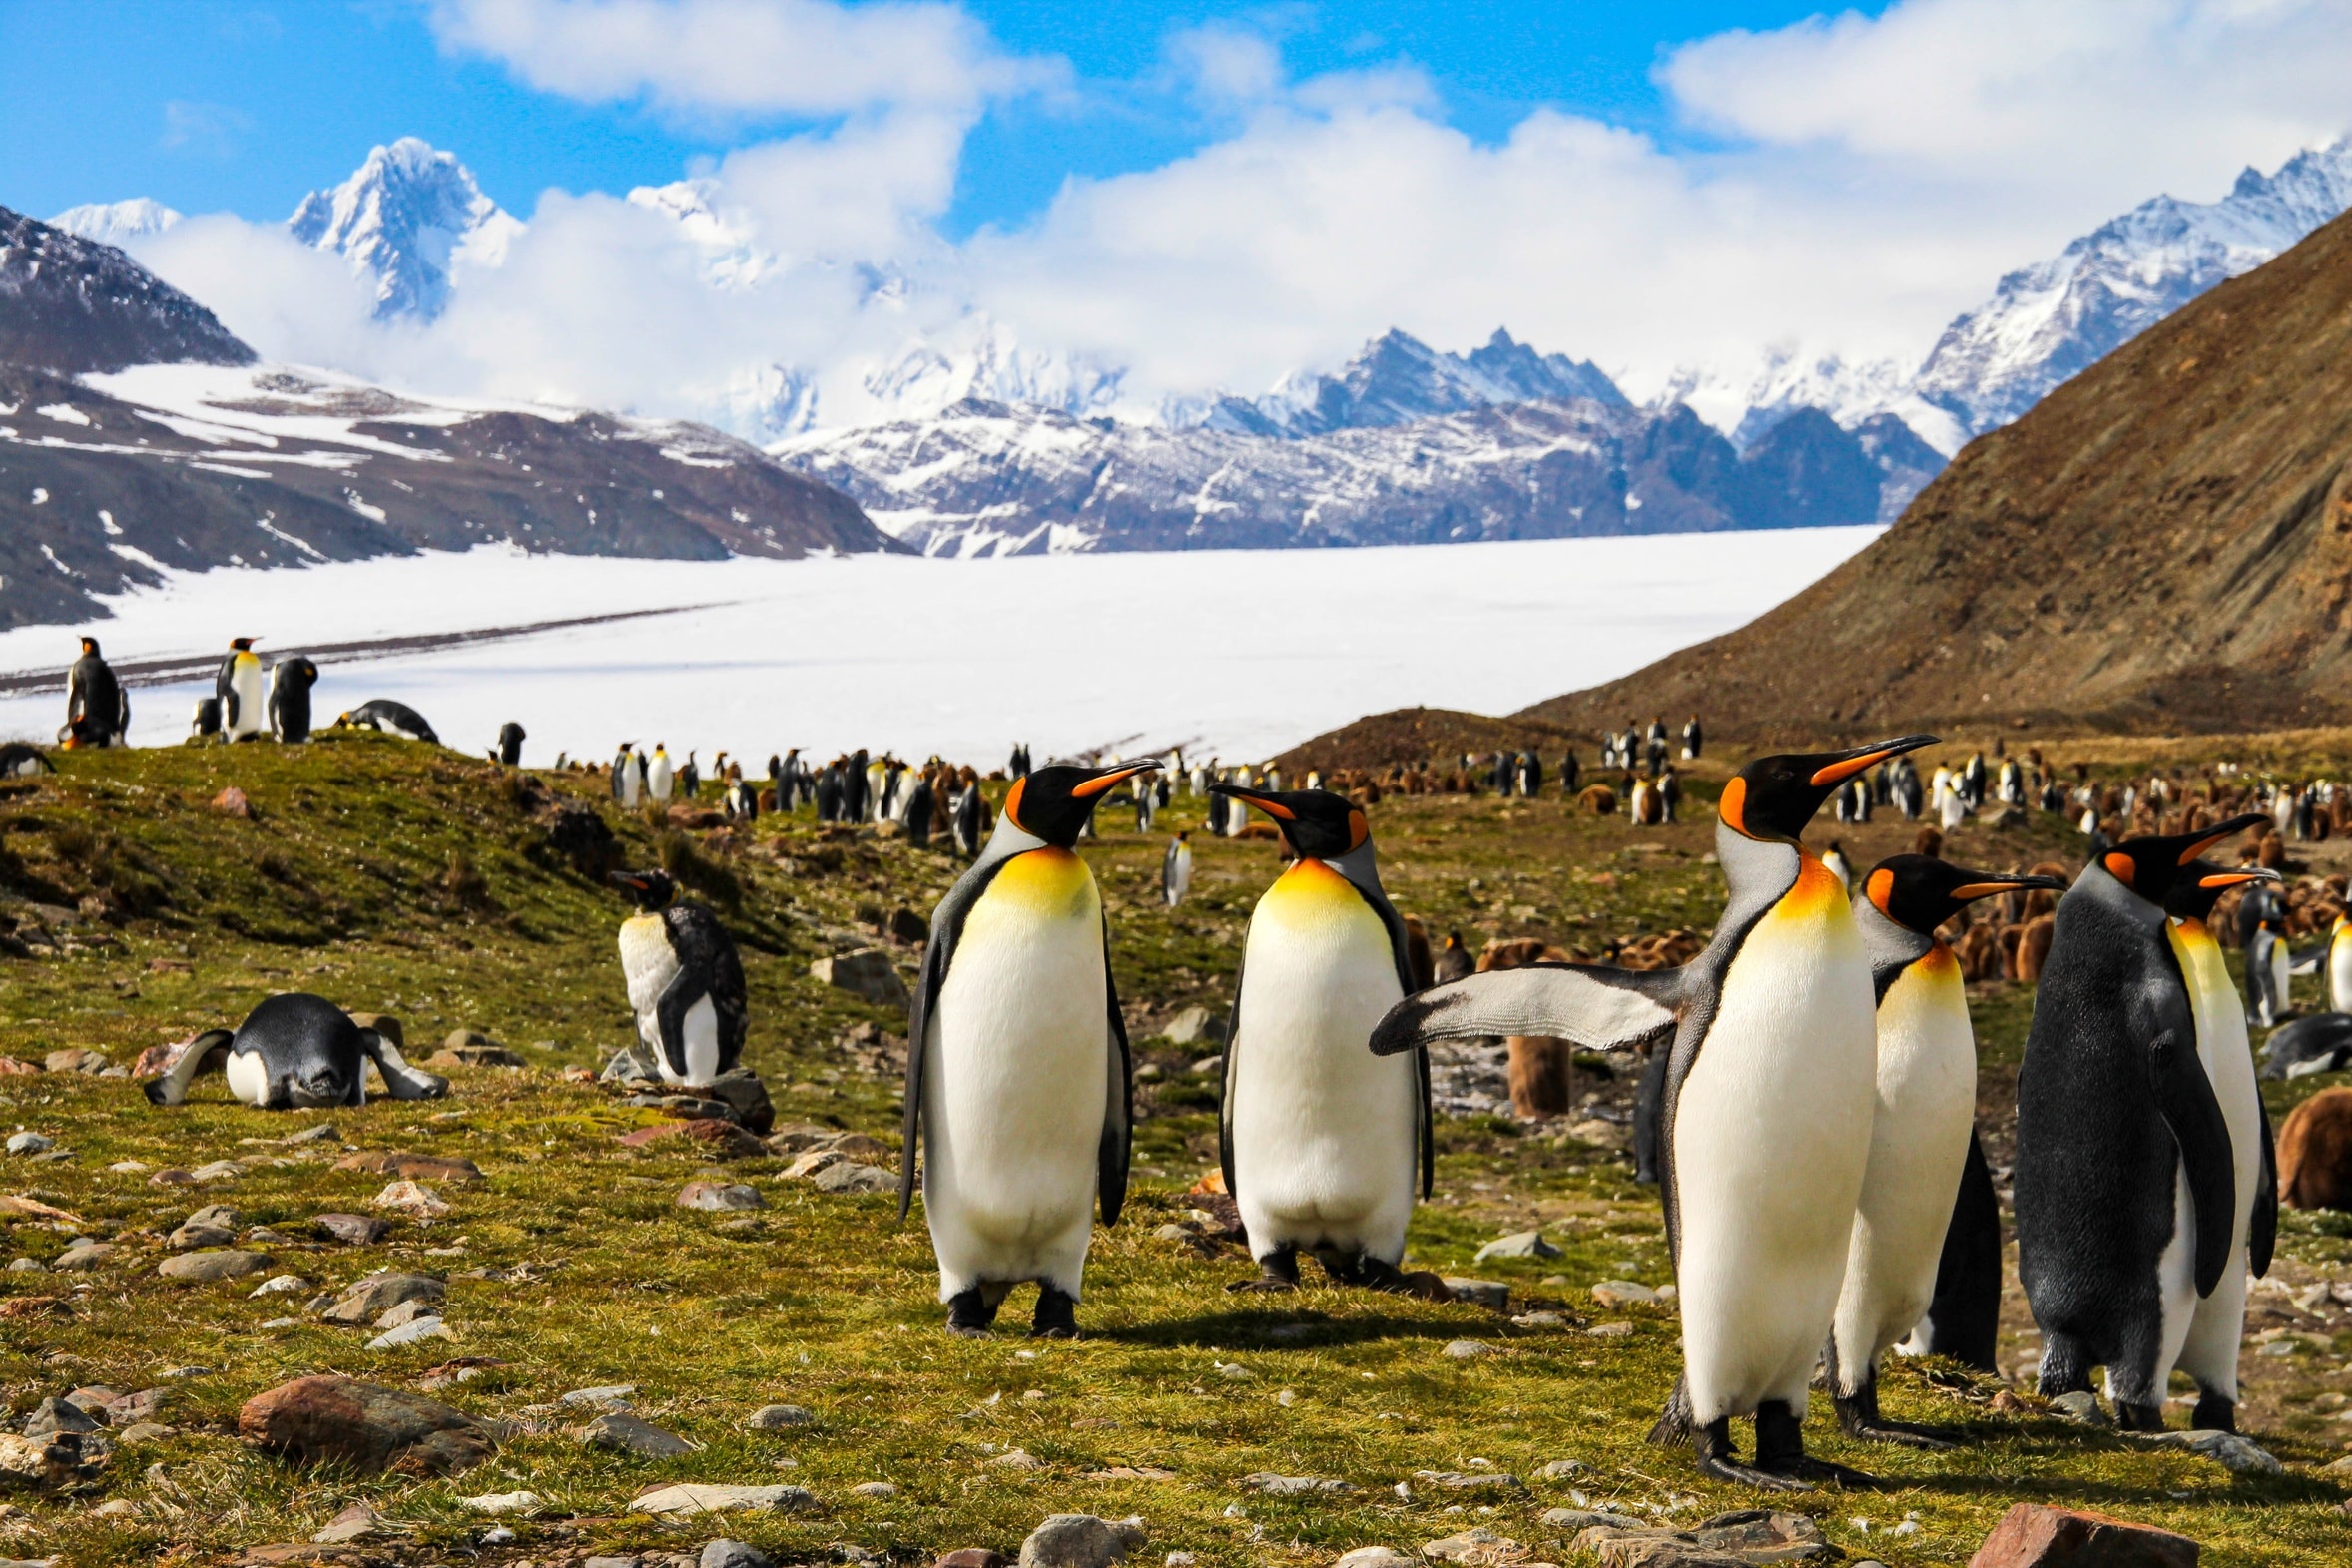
<point>1019,1087</point>
<point>1764,1121</point>
<point>1323,1144</point>
<point>2126,1190</point>
<point>295,1051</point>
<point>1921,1127</point>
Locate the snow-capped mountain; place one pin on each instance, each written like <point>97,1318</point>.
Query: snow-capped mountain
<point>116,222</point>
<point>1396,378</point>
<point>732,255</point>
<point>409,217</point>
<point>2046,322</point>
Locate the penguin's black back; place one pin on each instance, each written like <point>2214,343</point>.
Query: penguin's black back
<point>2096,1165</point>
<point>308,1040</point>
<point>705,950</point>
<point>1964,1317</point>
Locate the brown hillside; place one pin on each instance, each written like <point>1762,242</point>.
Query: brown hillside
<point>2164,543</point>
<point>1410,734</point>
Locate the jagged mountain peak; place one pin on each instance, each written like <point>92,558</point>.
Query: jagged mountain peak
<point>116,222</point>
<point>407,218</point>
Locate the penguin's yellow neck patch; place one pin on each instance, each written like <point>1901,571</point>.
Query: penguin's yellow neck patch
<point>1815,894</point>
<point>1048,883</point>
<point>1311,893</point>
<point>1938,962</point>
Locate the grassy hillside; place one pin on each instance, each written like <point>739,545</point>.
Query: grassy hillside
<point>391,878</point>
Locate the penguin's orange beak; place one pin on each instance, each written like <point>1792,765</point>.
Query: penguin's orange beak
<point>1845,768</point>
<point>1272,807</point>
<point>1094,787</point>
<point>1969,892</point>
<point>2234,878</point>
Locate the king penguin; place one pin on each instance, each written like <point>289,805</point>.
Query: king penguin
<point>2128,1191</point>
<point>1836,863</point>
<point>1017,1072</point>
<point>685,983</point>
<point>1765,1118</point>
<point>624,777</point>
<point>1176,870</point>
<point>291,680</point>
<point>1921,1128</point>
<point>295,1051</point>
<point>1323,1143</point>
<point>660,777</point>
<point>2339,966</point>
<point>245,706</point>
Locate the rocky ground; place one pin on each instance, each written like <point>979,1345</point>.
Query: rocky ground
<point>552,1318</point>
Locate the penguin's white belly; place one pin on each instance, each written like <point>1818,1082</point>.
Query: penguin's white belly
<point>1771,1137</point>
<point>2216,1323</point>
<point>2280,966</point>
<point>1324,1132</point>
<point>253,715</point>
<point>649,964</point>
<point>1926,1103</point>
<point>2339,973</point>
<point>1016,1079</point>
<point>248,1077</point>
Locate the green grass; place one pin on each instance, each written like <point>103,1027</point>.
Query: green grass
<point>573,1266</point>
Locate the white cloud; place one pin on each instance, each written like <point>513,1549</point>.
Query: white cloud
<point>790,57</point>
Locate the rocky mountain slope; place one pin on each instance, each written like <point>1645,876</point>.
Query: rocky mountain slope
<point>197,457</point>
<point>2164,543</point>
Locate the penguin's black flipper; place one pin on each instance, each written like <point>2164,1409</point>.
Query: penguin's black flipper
<point>2191,1109</point>
<point>1401,946</point>
<point>1225,1081</point>
<point>1593,1006</point>
<point>939,950</point>
<point>401,1081</point>
<point>1118,1119</point>
<point>208,1051</point>
<point>2262,1227</point>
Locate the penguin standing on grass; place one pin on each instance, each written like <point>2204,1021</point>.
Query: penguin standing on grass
<point>1176,870</point>
<point>291,680</point>
<point>1017,1072</point>
<point>685,983</point>
<point>968,807</point>
<point>624,779</point>
<point>1323,1144</point>
<point>97,706</point>
<point>660,777</point>
<point>1764,1126</point>
<point>510,743</point>
<point>2128,1168</point>
<point>1921,1130</point>
<point>244,707</point>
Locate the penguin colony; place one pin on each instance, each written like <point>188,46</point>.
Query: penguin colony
<point>1828,1008</point>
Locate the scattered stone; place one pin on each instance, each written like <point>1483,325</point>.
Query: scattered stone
<point>1572,1519</point>
<point>15,1067</point>
<point>777,1417</point>
<point>1729,1540</point>
<point>720,1195</point>
<point>146,1432</point>
<point>1016,1460</point>
<point>323,1133</point>
<point>44,1462</point>
<point>1622,1292</point>
<point>172,1175</point>
<point>1194,1024</point>
<point>465,1370</point>
<point>867,972</point>
<point>741,1090</point>
<point>630,1065</point>
<point>231,802</point>
<point>416,1331</point>
<point>129,1408</point>
<point>278,1285</point>
<point>813,1162</point>
<point>51,1416</point>
<point>1471,1480</point>
<point>608,1396</point>
<point>218,1171</point>
<point>356,1230</point>
<point>714,1139</point>
<point>2227,1449</point>
<point>28,1265</point>
<point>1080,1540</point>
<point>875,1489</point>
<point>215,1224</point>
<point>1272,1485</point>
<point>2033,1536</point>
<point>378,1294</point>
<point>974,1557</point>
<point>1539,1320</point>
<point>850,1176</point>
<point>207,1267</point>
<point>692,1498</point>
<point>504,1502</point>
<point>482,1055</point>
<point>356,1523</point>
<point>85,1255</point>
<point>28,1143</point>
<point>1493,1295</point>
<point>2081,1407</point>
<point>617,1431</point>
<point>1614,1330</point>
<point>1561,1469</point>
<point>362,1425</point>
<point>1374,1557</point>
<point>1471,1546</point>
<point>1521,1244</point>
<point>407,1312</point>
<point>1466,1350</point>
<point>732,1554</point>
<point>448,1169</point>
<point>75,1060</point>
<point>413,1198</point>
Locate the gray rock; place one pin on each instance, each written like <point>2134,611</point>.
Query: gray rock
<point>849,1176</point>
<point>694,1498</point>
<point>206,1268</point>
<point>613,1562</point>
<point>868,972</point>
<point>1192,1025</point>
<point>371,1298</point>
<point>415,1330</point>
<point>777,1417</point>
<point>1374,1557</point>
<point>2227,1449</point>
<point>85,1255</point>
<point>2081,1407</point>
<point>620,1432</point>
<point>1561,1469</point>
<point>1466,1350</point>
<point>51,1416</point>
<point>628,1066</point>
<point>1520,1244</point>
<point>356,1230</point>
<point>1471,1480</point>
<point>215,1224</point>
<point>407,1312</point>
<point>1579,1519</point>
<point>732,1554</point>
<point>30,1142</point>
<point>875,1489</point>
<point>1080,1540</point>
<point>1493,1295</point>
<point>743,1093</point>
<point>1272,1485</point>
<point>27,1266</point>
<point>604,1396</point>
<point>716,1196</point>
<point>1209,1066</point>
<point>1618,1293</point>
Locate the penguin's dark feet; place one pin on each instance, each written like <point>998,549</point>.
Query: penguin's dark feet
<point>1277,1271</point>
<point>1717,1461</point>
<point>1780,1450</point>
<point>1859,1418</point>
<point>1375,1274</point>
<point>2214,1413</point>
<point>969,1312</point>
<point>2133,1417</point>
<point>1057,1314</point>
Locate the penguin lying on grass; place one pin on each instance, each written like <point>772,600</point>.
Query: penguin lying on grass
<point>1017,1082</point>
<point>1323,1143</point>
<point>295,1051</point>
<point>1921,1132</point>
<point>1764,1126</point>
<point>2136,1179</point>
<point>685,983</point>
<point>389,717</point>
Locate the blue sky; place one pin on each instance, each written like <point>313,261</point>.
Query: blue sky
<point>245,105</point>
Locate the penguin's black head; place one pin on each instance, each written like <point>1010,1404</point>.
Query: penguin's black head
<point>89,646</point>
<point>1773,797</point>
<point>1053,803</point>
<point>650,891</point>
<point>2152,866</point>
<point>241,644</point>
<point>1922,893</point>
<point>2201,884</point>
<point>1316,824</point>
